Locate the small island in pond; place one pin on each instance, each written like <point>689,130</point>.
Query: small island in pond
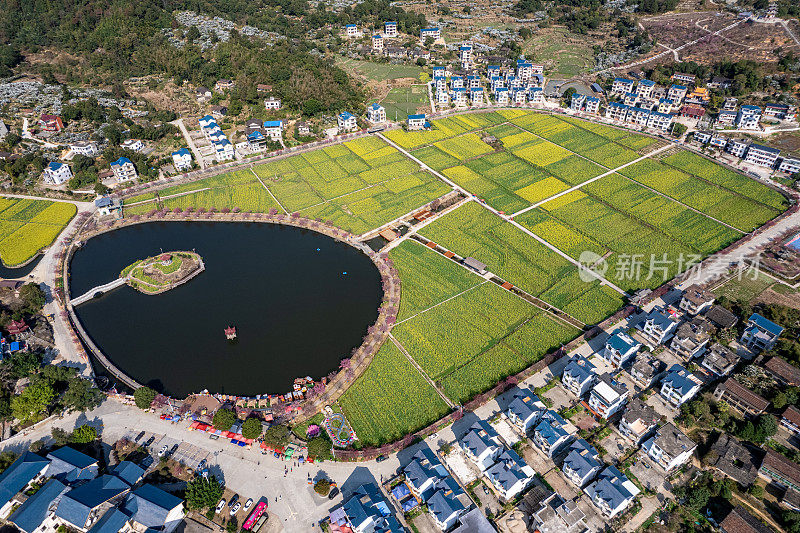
<point>163,272</point>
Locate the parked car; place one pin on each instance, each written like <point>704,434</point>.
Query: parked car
<point>150,441</point>
<point>139,436</point>
<point>248,503</point>
<point>235,508</point>
<point>202,464</point>
<point>221,505</point>
<point>234,499</point>
<point>333,493</point>
<point>174,448</point>
<point>163,451</point>
<point>381,458</point>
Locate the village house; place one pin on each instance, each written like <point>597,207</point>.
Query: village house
<point>736,461</point>
<point>669,447</point>
<point>219,110</point>
<point>720,360</point>
<point>622,86</point>
<point>347,122</point>
<point>720,317</point>
<point>519,96</point>
<point>351,31</point>
<point>619,348</point>
<point>263,88</point>
<point>256,141</point>
<point>582,463</point>
<point>422,474</point>
<point>272,103</point>
<point>789,165</point>
<point>592,105</point>
<point>445,505</point>
<point>665,105</point>
<point>434,33</point>
<point>577,101</point>
<point>123,169</point>
<point>612,492</point>
<point>390,28</point>
<point>525,410</point>
<point>202,94</point>
<point>702,137</point>
<point>417,122</point>
<point>273,129</point>
<point>780,471</point>
<point>106,205</point>
<point>690,339</point>
<point>396,52</point>
<point>647,369</point>
<point>135,145</point>
<point>84,148</point>
<point>677,93</point>
<point>725,119</point>
<point>739,520</point>
<point>376,113</point>
<point>737,147</point>
<point>638,116</point>
<point>377,43</point>
<point>476,96</point>
<point>630,99</point>
<point>695,300</point>
<point>28,469</point>
<point>783,372</point>
<point>679,386</point>
<point>790,419</point>
<point>699,96</point>
<point>760,334</point>
<point>644,89</point>
<point>509,475</point>
<point>440,83</point>
<point>740,397</point>
<point>481,444</point>
<point>501,96</point>
<point>182,159</point>
<point>688,79</point>
<point>442,98</point>
<point>303,128</point>
<point>617,111</point>
<point>459,95</point>
<point>465,56</point>
<point>3,130</point>
<point>550,435</point>
<point>536,95</point>
<point>638,420</point>
<point>51,123</point>
<point>524,69</point>
<point>718,141</point>
<point>657,327</point>
<point>56,173</point>
<point>748,117</point>
<point>692,111</point>
<point>779,111</point>
<point>223,150</point>
<point>366,511</point>
<point>579,375</point>
<point>607,397</point>
<point>223,85</point>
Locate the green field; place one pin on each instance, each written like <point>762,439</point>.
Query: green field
<point>381,71</point>
<point>27,226</point>
<point>566,55</point>
<point>404,101</point>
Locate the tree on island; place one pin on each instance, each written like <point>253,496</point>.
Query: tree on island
<point>144,396</point>
<point>224,419</point>
<point>251,429</point>
<point>202,493</point>
<point>277,436</point>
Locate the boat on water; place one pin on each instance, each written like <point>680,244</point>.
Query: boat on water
<point>230,333</point>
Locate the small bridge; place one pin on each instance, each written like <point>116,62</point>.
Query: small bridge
<point>91,293</point>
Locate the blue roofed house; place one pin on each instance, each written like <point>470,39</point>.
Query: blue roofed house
<point>446,506</point>
<point>418,122</point>
<point>582,463</point>
<point>657,327</point>
<point>256,140</point>
<point>129,472</point>
<point>510,475</point>
<point>56,173</point>
<point>105,205</point>
<point>83,505</point>
<point>123,169</point>
<point>525,410</point>
<point>28,468</point>
<point>481,444</point>
<point>679,386</point>
<point>760,334</point>
<point>423,472</point>
<point>151,507</point>
<point>34,512</point>
<point>113,521</point>
<point>367,511</point>
<point>612,492</point>
<point>182,159</point>
<point>273,129</point>
<point>551,434</point>
<point>579,375</point>
<point>619,348</point>
<point>346,122</point>
<point>376,113</point>
<point>70,465</point>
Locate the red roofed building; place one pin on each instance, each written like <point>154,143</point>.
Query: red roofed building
<point>791,419</point>
<point>17,327</point>
<point>692,111</point>
<point>51,123</point>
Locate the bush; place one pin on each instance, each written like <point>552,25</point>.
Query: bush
<point>83,434</point>
<point>144,396</point>
<point>277,436</point>
<point>322,487</point>
<point>224,419</point>
<point>320,448</point>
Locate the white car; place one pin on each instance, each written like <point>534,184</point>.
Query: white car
<point>235,508</point>
<point>248,503</point>
<point>221,505</point>
<point>163,451</point>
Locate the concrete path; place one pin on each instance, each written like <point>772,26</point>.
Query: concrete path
<point>201,162</point>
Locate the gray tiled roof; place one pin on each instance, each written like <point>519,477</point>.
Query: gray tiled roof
<point>19,474</point>
<point>149,505</point>
<point>33,512</point>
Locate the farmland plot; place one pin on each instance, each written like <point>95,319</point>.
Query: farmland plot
<point>26,226</point>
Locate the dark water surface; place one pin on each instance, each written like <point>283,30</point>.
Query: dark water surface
<point>300,302</point>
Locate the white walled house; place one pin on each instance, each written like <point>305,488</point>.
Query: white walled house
<point>638,420</point>
<point>56,173</point>
<point>346,121</point>
<point>481,445</point>
<point>510,475</point>
<point>377,44</point>
<point>223,150</point>
<point>273,129</point>
<point>123,169</point>
<point>272,103</point>
<point>390,29</point>
<point>612,492</point>
<point>351,31</point>
<point>550,435</point>
<point>133,144</point>
<point>182,159</point>
<point>763,156</point>
<point>657,327</point>
<point>619,348</point>
<point>525,410</point>
<point>85,148</point>
<point>376,113</point>
<point>622,86</point>
<point>417,122</point>
<point>669,447</point>
<point>582,463</point>
<point>434,33</point>
<point>608,396</point>
<point>679,386</point>
<point>579,375</point>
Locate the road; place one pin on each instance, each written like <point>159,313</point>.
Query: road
<point>201,162</point>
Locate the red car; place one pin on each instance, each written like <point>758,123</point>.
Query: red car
<point>163,417</point>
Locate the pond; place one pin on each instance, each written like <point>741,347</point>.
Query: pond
<point>300,302</point>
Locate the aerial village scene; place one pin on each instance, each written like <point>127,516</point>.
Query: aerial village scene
<point>361,266</point>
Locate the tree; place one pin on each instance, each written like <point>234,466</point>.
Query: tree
<point>81,396</point>
<point>756,490</point>
<point>322,487</point>
<point>251,429</point>
<point>36,446</point>
<point>33,401</point>
<point>224,419</point>
<point>233,525</point>
<point>202,493</point>
<point>277,436</point>
<point>60,436</point>
<point>697,498</point>
<point>766,426</point>
<point>33,296</point>
<point>144,396</point>
<point>84,434</point>
<point>320,448</point>
<point>678,129</point>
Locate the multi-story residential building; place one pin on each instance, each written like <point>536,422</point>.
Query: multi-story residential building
<point>459,95</point>
<point>690,339</point>
<point>657,327</point>
<point>346,121</point>
<point>182,159</point>
<point>696,300</point>
<point>492,71</point>
<point>525,410</point>
<point>780,471</point>
<point>607,397</point>
<point>376,113</point>
<point>763,156</point>
<point>679,386</point>
<point>465,56</point>
<point>423,472</point>
<point>737,147</point>
<point>440,83</point>
<point>442,97</point>
<point>677,93</point>
<point>223,150</point>
<point>524,69</point>
<point>272,103</point>
<point>622,86</point>
<point>645,88</point>
<point>760,334</point>
<point>638,116</point>
<point>536,95</point>
<point>56,173</point>
<point>630,99</point>
<point>702,137</point>
<point>617,111</point>
<point>551,435</point>
<point>481,444</point>
<point>619,348</point>
<point>434,33</point>
<point>519,96</point>
<point>351,31</point>
<point>730,104</point>
<point>779,111</point>
<point>647,369</point>
<point>790,419</point>
<point>445,505</point>
<point>367,511</point>
<point>579,375</point>
<point>665,105</point>
<point>592,105</point>
<point>28,469</point>
<point>510,475</point>
<point>377,43</point>
<point>390,28</point>
<point>669,447</point>
<point>718,141</point>
<point>439,72</point>
<point>682,77</point>
<point>501,96</point>
<point>473,81</point>
<point>582,463</point>
<point>720,360</point>
<point>726,119</point>
<point>638,420</point>
<point>740,397</point>
<point>748,117</point>
<point>476,95</point>
<point>123,169</point>
<point>457,82</point>
<point>789,165</point>
<point>418,122</point>
<point>133,144</point>
<point>273,129</point>
<point>577,101</point>
<point>84,148</point>
<point>612,492</point>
